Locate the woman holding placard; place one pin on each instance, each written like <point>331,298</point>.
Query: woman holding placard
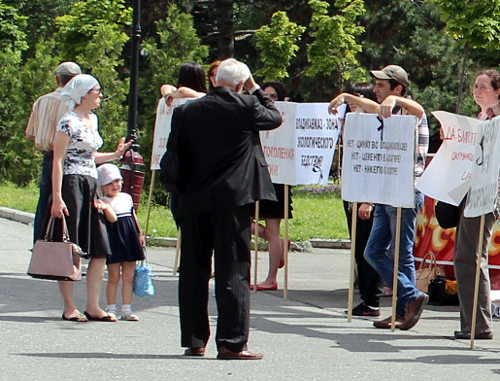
<point>191,84</point>
<point>486,94</point>
<point>272,212</point>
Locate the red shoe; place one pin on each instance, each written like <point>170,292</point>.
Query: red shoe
<point>264,288</point>
<point>282,262</point>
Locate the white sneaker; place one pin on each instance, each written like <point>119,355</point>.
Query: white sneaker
<point>129,316</point>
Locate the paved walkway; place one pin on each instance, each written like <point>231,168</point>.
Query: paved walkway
<point>306,337</point>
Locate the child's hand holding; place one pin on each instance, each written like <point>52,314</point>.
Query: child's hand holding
<point>142,240</point>
<point>101,204</point>
<point>106,209</point>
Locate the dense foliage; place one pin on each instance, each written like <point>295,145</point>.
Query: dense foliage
<point>315,47</point>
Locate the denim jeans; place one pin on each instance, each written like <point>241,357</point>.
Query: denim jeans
<point>43,207</point>
<point>381,242</point>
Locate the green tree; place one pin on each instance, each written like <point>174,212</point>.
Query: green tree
<point>473,25</point>
<point>34,78</point>
<point>418,43</point>
<point>41,16</point>
<point>93,34</point>
<point>13,44</point>
<point>335,46</point>
<point>86,18</point>
<point>176,44</point>
<point>277,43</point>
<point>12,25</point>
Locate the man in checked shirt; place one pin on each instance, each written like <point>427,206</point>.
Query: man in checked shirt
<point>391,84</point>
<point>45,115</point>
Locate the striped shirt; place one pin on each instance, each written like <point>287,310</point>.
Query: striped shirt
<point>45,115</point>
<point>421,146</point>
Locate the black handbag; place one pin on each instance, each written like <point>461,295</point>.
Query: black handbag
<point>443,292</point>
<point>447,215</point>
<point>171,172</point>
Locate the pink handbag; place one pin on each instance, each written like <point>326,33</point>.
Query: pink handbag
<point>56,260</point>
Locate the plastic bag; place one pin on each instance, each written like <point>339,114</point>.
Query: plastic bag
<point>143,280</point>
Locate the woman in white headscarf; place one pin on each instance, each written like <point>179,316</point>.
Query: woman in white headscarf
<point>74,195</point>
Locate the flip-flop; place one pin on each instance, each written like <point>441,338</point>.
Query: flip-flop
<point>105,318</point>
<point>78,318</point>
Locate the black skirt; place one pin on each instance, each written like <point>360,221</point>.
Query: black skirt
<point>86,224</point>
<point>124,240</point>
<point>275,209</point>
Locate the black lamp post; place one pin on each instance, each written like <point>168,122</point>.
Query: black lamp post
<point>135,36</point>
<point>133,179</point>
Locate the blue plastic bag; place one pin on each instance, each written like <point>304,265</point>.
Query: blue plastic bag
<point>143,280</point>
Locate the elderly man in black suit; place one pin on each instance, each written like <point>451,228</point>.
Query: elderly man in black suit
<point>225,172</point>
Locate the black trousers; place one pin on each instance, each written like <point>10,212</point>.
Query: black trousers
<point>43,206</point>
<point>227,233</point>
<point>369,281</point>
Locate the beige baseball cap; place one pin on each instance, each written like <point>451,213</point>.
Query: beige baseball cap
<point>392,72</point>
<point>68,68</point>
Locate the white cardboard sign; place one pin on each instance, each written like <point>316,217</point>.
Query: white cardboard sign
<point>446,177</point>
<point>300,151</point>
<point>484,183</point>
<point>163,125</point>
<point>379,159</point>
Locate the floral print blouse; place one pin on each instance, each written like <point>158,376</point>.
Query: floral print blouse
<point>83,144</point>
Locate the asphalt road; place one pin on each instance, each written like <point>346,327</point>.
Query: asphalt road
<point>306,337</point>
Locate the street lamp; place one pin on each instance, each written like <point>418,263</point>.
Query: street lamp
<point>133,179</point>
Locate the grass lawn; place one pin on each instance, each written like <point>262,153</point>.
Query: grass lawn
<point>317,212</point>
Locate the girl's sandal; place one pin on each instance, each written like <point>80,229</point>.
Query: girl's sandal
<point>130,316</point>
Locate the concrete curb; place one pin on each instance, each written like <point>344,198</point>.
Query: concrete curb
<point>28,218</point>
<point>16,215</point>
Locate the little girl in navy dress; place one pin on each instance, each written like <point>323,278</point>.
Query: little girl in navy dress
<point>125,239</point>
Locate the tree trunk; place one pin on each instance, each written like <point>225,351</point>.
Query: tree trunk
<point>225,42</point>
<point>462,77</point>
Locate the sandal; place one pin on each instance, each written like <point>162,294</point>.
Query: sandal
<point>105,318</point>
<point>129,316</point>
<point>80,318</point>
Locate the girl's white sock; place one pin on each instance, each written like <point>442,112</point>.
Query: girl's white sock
<point>126,308</point>
<point>111,308</point>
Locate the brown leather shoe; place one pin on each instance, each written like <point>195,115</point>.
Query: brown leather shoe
<point>386,323</point>
<point>413,312</point>
<point>195,351</point>
<point>225,354</point>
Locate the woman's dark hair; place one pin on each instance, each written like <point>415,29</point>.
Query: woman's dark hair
<point>365,89</point>
<point>281,90</point>
<point>494,77</point>
<point>192,75</point>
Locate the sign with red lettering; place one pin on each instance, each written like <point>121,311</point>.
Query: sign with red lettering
<point>447,177</point>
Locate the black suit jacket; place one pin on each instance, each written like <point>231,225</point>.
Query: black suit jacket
<point>220,152</point>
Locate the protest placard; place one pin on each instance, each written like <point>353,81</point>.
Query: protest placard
<point>316,133</point>
<point>163,124</point>
<point>447,177</point>
<point>278,146</point>
<point>486,166</point>
<point>379,159</point>
<point>301,150</point>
